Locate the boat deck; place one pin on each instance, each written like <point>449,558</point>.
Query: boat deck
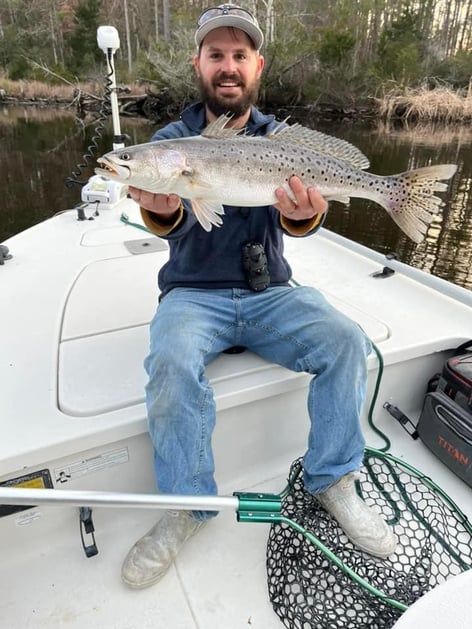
<point>218,580</point>
<point>72,403</point>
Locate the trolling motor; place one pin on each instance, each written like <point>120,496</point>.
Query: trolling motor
<point>108,40</point>
<point>98,190</point>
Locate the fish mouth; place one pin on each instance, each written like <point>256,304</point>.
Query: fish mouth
<point>110,170</point>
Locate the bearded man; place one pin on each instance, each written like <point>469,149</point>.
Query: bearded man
<point>210,303</point>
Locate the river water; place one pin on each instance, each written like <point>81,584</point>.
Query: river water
<point>40,149</point>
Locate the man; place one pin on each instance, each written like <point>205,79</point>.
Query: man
<point>211,303</point>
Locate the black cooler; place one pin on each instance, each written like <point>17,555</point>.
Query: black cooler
<point>445,424</point>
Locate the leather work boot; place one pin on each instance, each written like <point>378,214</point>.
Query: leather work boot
<point>152,555</point>
<point>363,526</point>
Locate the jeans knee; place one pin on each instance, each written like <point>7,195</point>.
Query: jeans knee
<point>344,347</point>
<point>160,360</point>
<point>351,337</point>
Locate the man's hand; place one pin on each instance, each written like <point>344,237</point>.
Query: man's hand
<point>307,203</point>
<point>163,204</point>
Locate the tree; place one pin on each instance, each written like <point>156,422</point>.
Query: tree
<point>401,47</point>
<point>312,47</point>
<point>84,53</point>
<point>335,47</point>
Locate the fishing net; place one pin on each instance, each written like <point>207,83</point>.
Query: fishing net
<point>317,579</point>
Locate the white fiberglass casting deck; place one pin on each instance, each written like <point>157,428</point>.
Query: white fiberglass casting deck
<point>78,301</point>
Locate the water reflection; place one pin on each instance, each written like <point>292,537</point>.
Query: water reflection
<point>447,249</point>
<point>39,150</point>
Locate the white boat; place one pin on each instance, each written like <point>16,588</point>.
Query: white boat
<point>77,297</point>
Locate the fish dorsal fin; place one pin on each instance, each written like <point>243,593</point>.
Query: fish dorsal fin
<point>320,142</point>
<point>295,134</point>
<point>218,129</point>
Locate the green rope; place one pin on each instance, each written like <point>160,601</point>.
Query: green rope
<point>390,461</point>
<point>124,218</point>
<point>426,480</point>
<point>412,508</point>
<point>295,473</point>
<point>370,415</point>
<point>342,566</point>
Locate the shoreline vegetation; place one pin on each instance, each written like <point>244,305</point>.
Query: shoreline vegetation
<point>397,61</point>
<point>410,105</point>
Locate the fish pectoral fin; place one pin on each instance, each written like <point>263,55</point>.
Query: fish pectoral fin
<point>208,212</point>
<point>339,198</point>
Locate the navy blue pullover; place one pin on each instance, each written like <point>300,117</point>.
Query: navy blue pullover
<point>201,259</point>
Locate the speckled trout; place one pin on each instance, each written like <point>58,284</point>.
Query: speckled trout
<point>224,166</point>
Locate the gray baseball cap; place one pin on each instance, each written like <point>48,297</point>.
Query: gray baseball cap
<point>230,15</point>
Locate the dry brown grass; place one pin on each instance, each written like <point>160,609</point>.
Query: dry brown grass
<point>427,105</point>
<point>36,90</point>
<point>427,133</point>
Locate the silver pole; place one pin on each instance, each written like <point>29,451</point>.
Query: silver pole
<point>57,497</point>
<point>115,112</point>
<point>109,41</point>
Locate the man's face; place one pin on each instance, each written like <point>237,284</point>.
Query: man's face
<point>228,72</point>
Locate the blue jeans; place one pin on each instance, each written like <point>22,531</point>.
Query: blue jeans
<point>291,326</point>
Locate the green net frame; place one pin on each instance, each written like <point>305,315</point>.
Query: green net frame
<point>317,579</point>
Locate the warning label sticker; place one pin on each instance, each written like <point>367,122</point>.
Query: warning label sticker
<point>40,479</point>
<point>92,465</point>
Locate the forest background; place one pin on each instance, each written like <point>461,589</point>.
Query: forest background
<point>341,52</point>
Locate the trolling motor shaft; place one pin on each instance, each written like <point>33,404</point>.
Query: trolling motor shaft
<point>109,41</point>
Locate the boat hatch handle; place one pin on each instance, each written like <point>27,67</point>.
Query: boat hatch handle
<point>258,507</point>
<point>387,271</point>
<point>4,254</point>
<point>404,421</point>
<point>384,273</point>
<point>87,527</point>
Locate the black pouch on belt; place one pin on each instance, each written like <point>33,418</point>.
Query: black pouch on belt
<point>255,266</point>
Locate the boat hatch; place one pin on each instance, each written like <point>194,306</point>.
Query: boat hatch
<point>103,345</point>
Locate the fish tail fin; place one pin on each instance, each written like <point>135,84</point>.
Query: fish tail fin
<point>414,204</point>
<point>208,213</point>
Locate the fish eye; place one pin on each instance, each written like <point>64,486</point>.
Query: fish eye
<point>125,157</point>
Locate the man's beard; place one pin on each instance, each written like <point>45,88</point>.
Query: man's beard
<point>236,106</point>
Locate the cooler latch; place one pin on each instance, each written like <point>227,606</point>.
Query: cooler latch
<point>404,421</point>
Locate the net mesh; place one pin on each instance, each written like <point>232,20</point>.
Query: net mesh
<point>308,591</point>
